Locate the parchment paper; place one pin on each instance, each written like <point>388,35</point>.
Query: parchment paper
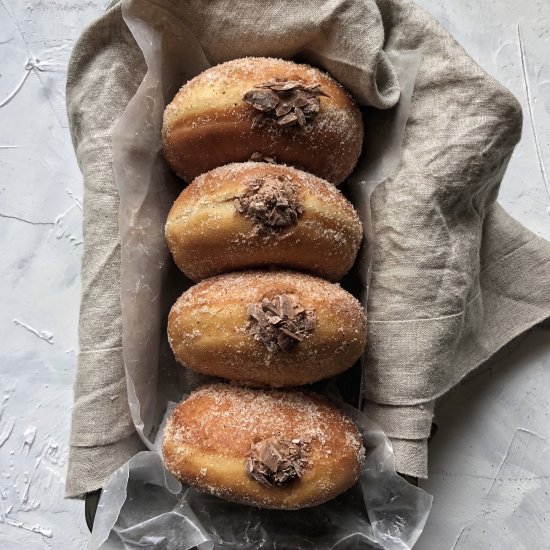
<point>140,508</point>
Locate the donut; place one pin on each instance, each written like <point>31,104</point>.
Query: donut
<point>254,214</point>
<point>257,105</point>
<point>267,328</point>
<point>271,449</point>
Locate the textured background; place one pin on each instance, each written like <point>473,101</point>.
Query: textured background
<point>490,460</point>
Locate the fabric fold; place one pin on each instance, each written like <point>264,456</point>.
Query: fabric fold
<point>100,397</point>
<point>405,422</point>
<point>102,433</point>
<point>91,466</point>
<point>411,456</point>
<point>345,37</point>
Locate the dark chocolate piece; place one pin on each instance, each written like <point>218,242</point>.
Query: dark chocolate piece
<point>289,102</point>
<point>277,461</point>
<point>271,202</point>
<point>280,324</point>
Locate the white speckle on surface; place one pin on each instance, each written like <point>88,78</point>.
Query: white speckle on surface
<point>6,429</point>
<point>77,201</point>
<point>42,334</point>
<point>44,531</point>
<point>531,112</point>
<point>13,93</point>
<point>29,435</point>
<point>14,217</point>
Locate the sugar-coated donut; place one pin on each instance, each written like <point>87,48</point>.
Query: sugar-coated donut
<point>255,214</point>
<point>273,328</point>
<point>295,113</point>
<point>273,449</point>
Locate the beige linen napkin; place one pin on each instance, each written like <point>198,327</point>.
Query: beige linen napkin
<point>454,278</point>
<point>105,70</point>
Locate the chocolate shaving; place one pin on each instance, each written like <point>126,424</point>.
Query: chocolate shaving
<point>280,324</point>
<point>300,117</point>
<point>271,202</point>
<point>262,100</point>
<point>277,461</point>
<point>288,102</point>
<point>259,157</point>
<point>288,120</point>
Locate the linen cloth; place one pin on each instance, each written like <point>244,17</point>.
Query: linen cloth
<point>454,278</point>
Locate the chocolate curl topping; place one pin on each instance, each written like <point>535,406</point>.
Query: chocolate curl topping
<point>277,461</point>
<point>271,202</point>
<point>288,102</point>
<point>280,324</point>
<point>259,157</point>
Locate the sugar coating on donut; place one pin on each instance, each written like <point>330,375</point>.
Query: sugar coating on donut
<point>330,222</point>
<point>336,118</point>
<point>227,419</point>
<point>218,178</point>
<point>216,97</point>
<point>208,330</point>
<point>253,286</point>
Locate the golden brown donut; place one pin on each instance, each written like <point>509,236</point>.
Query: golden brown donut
<point>238,443</point>
<point>233,110</point>
<point>274,328</point>
<point>256,214</point>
